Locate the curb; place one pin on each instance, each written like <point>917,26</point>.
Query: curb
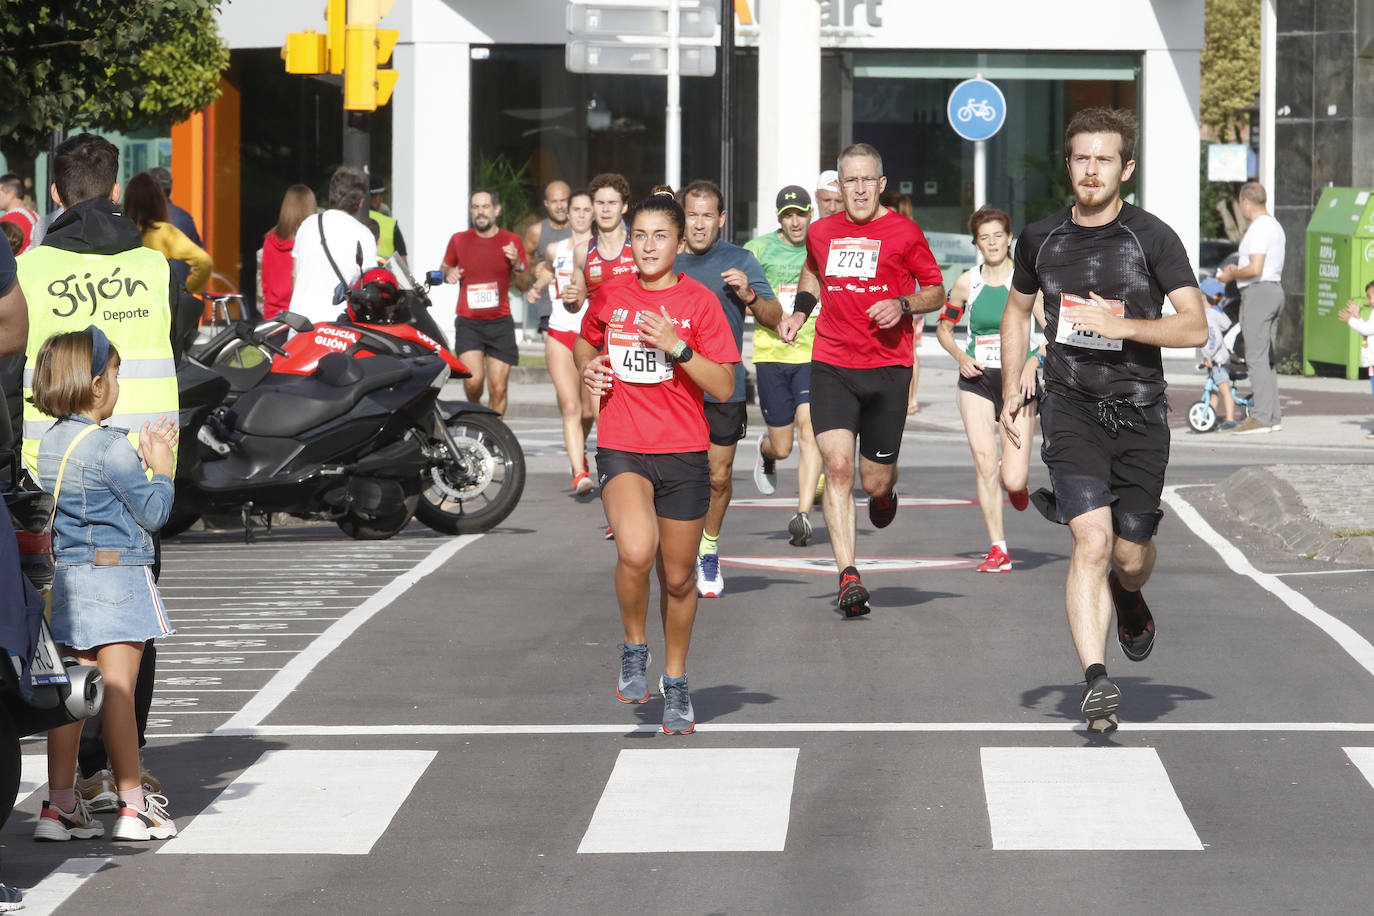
<point>1262,499</point>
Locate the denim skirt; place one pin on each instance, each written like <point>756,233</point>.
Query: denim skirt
<point>97,605</point>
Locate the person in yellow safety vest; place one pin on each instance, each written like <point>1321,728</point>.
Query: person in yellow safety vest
<point>92,268</point>
<point>389,242</point>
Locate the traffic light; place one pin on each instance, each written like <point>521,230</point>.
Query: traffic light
<point>352,46</point>
<point>312,52</point>
<point>366,48</point>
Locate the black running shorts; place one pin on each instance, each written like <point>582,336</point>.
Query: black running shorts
<point>728,422</point>
<point>989,386</point>
<point>681,480</point>
<point>870,403</point>
<point>1090,467</point>
<point>495,338</point>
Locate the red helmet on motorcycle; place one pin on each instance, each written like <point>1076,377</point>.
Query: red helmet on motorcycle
<point>376,299</point>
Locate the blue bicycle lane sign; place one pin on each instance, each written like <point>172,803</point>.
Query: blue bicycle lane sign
<point>976,109</point>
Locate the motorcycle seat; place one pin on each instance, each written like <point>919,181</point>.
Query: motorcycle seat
<point>284,409</point>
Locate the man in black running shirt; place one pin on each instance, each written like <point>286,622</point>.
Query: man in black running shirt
<point>1105,267</point>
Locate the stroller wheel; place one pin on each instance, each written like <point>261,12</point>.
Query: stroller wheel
<point>1201,417</point>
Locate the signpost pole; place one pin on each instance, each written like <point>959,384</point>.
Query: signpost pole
<point>980,168</point>
<point>672,122</point>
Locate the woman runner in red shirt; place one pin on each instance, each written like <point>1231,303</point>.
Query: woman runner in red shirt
<point>649,348</point>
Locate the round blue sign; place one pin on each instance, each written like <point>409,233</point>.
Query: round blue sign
<point>976,109</point>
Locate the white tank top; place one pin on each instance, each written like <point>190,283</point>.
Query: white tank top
<point>560,319</point>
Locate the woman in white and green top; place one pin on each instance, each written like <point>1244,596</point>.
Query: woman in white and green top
<point>783,371</point>
<point>982,292</point>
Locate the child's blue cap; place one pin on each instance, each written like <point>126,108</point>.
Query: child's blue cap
<point>1212,287</point>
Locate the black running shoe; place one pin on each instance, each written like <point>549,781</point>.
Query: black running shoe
<point>882,509</point>
<point>1100,701</point>
<point>1135,627</point>
<point>853,596</point>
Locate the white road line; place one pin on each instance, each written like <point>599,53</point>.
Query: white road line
<point>1345,636</point>
<point>311,805</point>
<point>1323,572</point>
<point>63,881</point>
<point>1065,726</point>
<point>1083,798</point>
<point>703,800</point>
<point>297,669</point>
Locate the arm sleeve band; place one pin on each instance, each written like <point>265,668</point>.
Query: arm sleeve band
<point>804,303</point>
<point>951,312</point>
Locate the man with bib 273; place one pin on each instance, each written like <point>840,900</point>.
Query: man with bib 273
<point>1105,268</point>
<point>872,270</point>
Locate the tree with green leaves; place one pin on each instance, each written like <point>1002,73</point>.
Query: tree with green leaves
<point>1230,80</point>
<point>114,65</point>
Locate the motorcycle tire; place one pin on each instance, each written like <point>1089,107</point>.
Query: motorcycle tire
<point>475,490</point>
<point>1201,417</point>
<point>379,529</point>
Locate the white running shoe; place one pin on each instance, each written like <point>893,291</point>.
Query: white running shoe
<point>56,825</point>
<point>710,583</point>
<point>153,824</point>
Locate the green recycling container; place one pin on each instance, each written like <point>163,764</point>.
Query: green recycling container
<point>1340,261</point>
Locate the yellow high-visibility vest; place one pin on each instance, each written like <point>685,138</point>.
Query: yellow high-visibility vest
<point>386,242</point>
<point>126,296</point>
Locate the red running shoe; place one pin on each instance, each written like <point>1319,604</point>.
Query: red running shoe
<point>996,561</point>
<point>1135,625</point>
<point>1020,499</point>
<point>882,509</point>
<point>853,596</point>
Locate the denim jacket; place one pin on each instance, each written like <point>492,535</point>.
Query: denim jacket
<point>107,501</point>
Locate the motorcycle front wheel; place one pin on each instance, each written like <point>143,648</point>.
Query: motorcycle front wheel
<point>473,489</point>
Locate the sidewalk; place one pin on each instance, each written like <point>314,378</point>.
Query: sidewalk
<point>1325,511</point>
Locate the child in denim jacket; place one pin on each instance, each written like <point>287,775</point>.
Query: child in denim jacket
<point>104,603</point>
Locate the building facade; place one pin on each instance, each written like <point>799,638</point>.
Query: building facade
<point>484,92</point>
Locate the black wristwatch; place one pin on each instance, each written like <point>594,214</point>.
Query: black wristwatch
<point>681,353</point>
<point>906,306</point>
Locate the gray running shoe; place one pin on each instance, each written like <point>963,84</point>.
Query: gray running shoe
<point>800,529</point>
<point>678,716</point>
<point>1100,701</point>
<point>765,470</point>
<point>633,684</point>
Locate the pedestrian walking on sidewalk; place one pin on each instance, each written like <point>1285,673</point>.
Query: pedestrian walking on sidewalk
<point>1261,305</point>
<point>1105,268</point>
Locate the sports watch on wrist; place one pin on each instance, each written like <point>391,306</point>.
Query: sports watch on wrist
<point>906,305</point>
<point>681,353</point>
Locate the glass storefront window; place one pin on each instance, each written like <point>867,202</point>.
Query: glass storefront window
<point>896,100</point>
<point>529,111</point>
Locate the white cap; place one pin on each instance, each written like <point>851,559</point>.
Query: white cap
<point>829,180</point>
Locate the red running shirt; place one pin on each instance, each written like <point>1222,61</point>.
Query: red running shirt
<point>860,264</point>
<point>598,270</point>
<point>485,286</point>
<point>650,416</point>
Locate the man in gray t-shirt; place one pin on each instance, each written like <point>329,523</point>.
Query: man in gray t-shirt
<point>551,230</point>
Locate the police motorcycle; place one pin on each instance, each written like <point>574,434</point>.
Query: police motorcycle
<point>39,690</point>
<point>471,470</point>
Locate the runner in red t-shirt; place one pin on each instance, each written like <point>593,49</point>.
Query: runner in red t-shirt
<point>872,269</point>
<point>486,259</point>
<point>649,350</point>
<point>12,209</point>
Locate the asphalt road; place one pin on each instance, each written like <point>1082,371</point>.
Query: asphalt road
<point>428,724</point>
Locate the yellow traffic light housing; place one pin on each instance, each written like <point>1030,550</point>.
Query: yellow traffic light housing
<point>336,16</point>
<point>306,52</point>
<point>365,86</point>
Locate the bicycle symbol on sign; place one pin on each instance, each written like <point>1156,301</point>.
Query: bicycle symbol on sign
<point>977,108</point>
